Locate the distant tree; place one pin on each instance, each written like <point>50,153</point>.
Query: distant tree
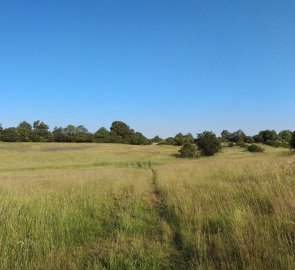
<point>237,136</point>
<point>114,138</point>
<point>9,135</point>
<point>188,150</point>
<point>77,134</point>
<point>102,136</point>
<point>1,128</point>
<point>157,139</point>
<point>258,138</point>
<point>40,132</point>
<point>81,129</point>
<point>268,136</point>
<point>188,138</point>
<point>59,135</point>
<point>170,141</point>
<point>285,135</point>
<point>121,132</point>
<point>181,139</point>
<point>24,130</point>
<point>208,143</point>
<point>70,131</point>
<point>137,138</point>
<point>82,134</point>
<point>178,139</point>
<point>292,142</point>
<point>225,135</point>
<point>249,139</point>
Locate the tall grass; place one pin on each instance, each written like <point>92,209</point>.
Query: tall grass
<point>80,206</point>
<point>82,219</point>
<point>233,213</point>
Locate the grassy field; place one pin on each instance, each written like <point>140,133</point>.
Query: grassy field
<point>104,206</point>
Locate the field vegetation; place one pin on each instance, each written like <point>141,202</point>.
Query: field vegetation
<point>119,206</point>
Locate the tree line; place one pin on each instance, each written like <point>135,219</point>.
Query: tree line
<point>120,132</point>
<point>267,137</point>
<point>39,132</point>
<point>208,144</point>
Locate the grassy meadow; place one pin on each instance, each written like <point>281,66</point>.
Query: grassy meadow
<point>107,206</point>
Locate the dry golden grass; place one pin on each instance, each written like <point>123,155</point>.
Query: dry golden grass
<point>233,213</point>
<point>103,206</point>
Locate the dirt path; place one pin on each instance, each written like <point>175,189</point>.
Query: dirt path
<point>181,255</point>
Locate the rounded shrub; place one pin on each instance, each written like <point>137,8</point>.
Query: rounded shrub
<point>255,148</point>
<point>188,150</point>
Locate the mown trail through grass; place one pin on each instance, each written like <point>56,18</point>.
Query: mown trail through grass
<point>181,256</point>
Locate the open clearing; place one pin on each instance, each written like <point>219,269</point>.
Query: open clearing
<point>106,206</point>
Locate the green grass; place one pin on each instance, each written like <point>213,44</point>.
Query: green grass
<point>106,206</point>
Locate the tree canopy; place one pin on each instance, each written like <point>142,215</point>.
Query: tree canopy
<point>208,143</point>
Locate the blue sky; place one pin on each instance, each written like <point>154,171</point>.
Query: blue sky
<point>162,66</point>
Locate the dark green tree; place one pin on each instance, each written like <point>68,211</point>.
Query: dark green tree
<point>170,141</point>
<point>178,139</point>
<point>268,136</point>
<point>121,131</point>
<point>9,135</point>
<point>249,139</point>
<point>225,135</point>
<point>137,138</point>
<point>157,139</point>
<point>208,143</point>
<point>285,135</point>
<point>24,130</point>
<point>70,131</point>
<point>237,136</point>
<point>1,128</point>
<point>102,136</point>
<point>59,135</point>
<point>292,142</point>
<point>83,135</point>
<point>258,138</point>
<point>40,132</point>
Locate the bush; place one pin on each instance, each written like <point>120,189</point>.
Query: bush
<point>188,150</point>
<point>237,136</point>
<point>208,143</point>
<point>181,139</point>
<point>255,148</point>
<point>169,141</point>
<point>231,144</point>
<point>249,139</point>
<point>242,144</point>
<point>292,142</point>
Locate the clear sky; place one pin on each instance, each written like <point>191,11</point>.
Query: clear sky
<point>162,66</point>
